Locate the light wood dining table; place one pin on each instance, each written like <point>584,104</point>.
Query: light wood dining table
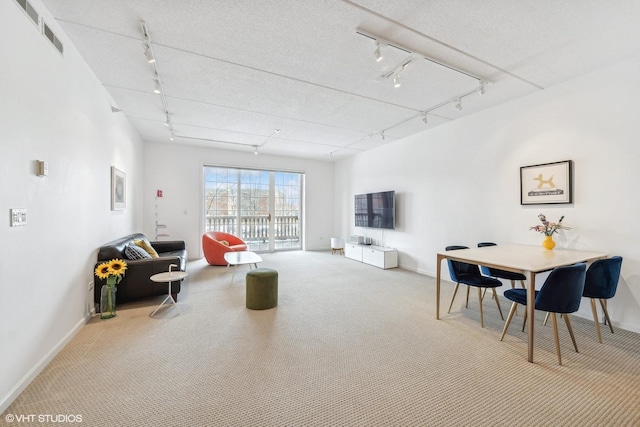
<point>525,259</point>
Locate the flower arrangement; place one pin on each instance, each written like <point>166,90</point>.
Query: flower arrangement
<point>548,228</point>
<point>112,271</point>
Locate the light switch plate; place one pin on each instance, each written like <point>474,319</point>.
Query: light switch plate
<point>18,217</point>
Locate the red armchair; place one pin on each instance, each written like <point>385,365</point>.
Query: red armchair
<point>214,247</point>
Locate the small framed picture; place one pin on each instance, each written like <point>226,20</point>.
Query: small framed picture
<point>547,183</point>
<point>118,189</point>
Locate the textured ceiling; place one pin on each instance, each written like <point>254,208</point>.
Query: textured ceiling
<point>233,71</point>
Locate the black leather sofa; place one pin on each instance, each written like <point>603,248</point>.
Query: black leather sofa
<point>136,283</point>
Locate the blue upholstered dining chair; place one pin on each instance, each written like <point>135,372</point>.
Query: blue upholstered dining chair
<point>601,283</point>
<point>560,293</point>
<point>501,274</point>
<point>469,274</point>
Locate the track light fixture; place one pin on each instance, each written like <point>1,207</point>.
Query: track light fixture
<point>377,54</point>
<point>382,135</point>
<point>458,104</point>
<point>395,72</point>
<point>255,150</point>
<point>481,89</point>
<point>148,53</point>
<point>424,118</point>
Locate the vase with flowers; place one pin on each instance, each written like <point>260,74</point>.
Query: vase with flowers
<point>112,271</point>
<point>548,229</point>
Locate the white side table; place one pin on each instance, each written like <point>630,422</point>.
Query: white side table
<point>168,276</point>
<point>241,258</point>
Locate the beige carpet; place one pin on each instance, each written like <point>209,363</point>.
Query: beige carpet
<point>348,345</point>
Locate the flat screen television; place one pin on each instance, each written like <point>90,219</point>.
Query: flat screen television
<point>376,210</point>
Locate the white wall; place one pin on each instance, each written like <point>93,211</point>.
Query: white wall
<point>177,170</point>
<point>459,183</point>
<point>53,108</point>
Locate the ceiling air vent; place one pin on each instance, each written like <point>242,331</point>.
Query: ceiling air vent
<point>31,12</point>
<point>52,38</point>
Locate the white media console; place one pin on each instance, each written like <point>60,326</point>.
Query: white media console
<point>373,255</point>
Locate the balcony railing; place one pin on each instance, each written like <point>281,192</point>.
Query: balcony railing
<point>255,228</point>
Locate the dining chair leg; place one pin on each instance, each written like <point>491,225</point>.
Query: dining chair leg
<point>512,311</point>
<point>554,321</point>
<point>546,317</point>
<point>467,303</point>
<point>513,284</point>
<point>480,304</point>
<point>603,303</point>
<point>495,297</point>
<point>522,284</point>
<point>524,319</point>
<point>573,338</point>
<point>595,318</point>
<point>455,290</point>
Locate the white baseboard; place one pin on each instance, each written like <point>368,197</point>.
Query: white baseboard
<point>35,371</point>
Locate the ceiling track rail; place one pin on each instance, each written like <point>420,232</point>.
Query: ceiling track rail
<point>387,42</point>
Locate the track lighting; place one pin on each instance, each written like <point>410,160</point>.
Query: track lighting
<point>149,54</point>
<point>255,150</point>
<point>377,54</point>
<point>382,135</point>
<point>157,88</point>
<point>413,55</point>
<point>396,81</point>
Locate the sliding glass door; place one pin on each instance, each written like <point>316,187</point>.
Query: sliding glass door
<point>263,208</point>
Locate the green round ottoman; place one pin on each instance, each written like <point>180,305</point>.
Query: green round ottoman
<point>262,289</point>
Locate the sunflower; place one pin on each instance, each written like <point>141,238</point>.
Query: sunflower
<point>103,271</point>
<point>117,267</point>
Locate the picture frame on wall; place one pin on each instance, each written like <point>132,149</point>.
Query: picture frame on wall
<point>118,189</point>
<point>547,183</point>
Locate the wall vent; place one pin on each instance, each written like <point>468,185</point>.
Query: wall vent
<point>31,12</point>
<point>52,37</point>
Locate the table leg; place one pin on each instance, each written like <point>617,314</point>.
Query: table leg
<point>235,266</point>
<point>531,302</point>
<point>168,297</point>
<point>438,272</point>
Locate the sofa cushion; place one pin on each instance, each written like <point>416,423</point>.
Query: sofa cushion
<point>144,244</point>
<point>135,252</point>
